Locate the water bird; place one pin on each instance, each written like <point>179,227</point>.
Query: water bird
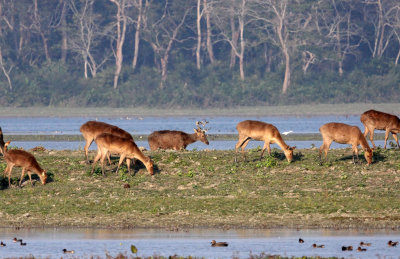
<point>287,132</point>
<point>2,244</point>
<point>215,243</point>
<point>364,244</point>
<point>65,251</point>
<point>15,240</point>
<point>359,249</point>
<point>301,240</point>
<point>22,243</point>
<point>347,248</point>
<point>391,243</point>
<point>318,246</point>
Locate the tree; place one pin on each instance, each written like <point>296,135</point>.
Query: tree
<point>86,36</point>
<point>227,15</point>
<point>162,30</point>
<point>279,23</point>
<point>121,23</point>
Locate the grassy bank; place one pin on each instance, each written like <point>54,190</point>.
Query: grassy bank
<point>292,110</point>
<point>206,189</point>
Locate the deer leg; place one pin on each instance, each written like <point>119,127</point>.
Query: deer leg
<point>87,145</point>
<point>103,156</point>
<point>371,136</point>
<point>266,146</point>
<point>121,159</point>
<point>95,160</point>
<point>355,153</point>
<point>325,147</point>
<point>109,158</point>
<point>365,131</point>
<point>386,137</point>
<point>128,164</point>
<point>241,143</point>
<point>22,176</point>
<point>30,177</point>
<point>396,139</point>
<point>8,171</point>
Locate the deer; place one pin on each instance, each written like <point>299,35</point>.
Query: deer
<point>258,130</point>
<point>1,142</point>
<point>125,147</point>
<point>91,129</point>
<point>27,161</point>
<point>344,134</point>
<point>373,119</point>
<point>177,140</point>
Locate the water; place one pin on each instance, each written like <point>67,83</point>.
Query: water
<point>242,243</point>
<point>146,125</point>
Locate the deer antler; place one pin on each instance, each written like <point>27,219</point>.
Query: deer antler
<point>201,124</point>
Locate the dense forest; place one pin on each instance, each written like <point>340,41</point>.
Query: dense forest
<point>198,53</point>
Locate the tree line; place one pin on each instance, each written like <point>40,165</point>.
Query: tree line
<point>198,52</point>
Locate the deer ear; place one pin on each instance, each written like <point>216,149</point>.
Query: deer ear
<point>293,148</point>
<point>6,144</point>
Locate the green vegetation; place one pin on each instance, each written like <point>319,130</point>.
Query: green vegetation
<point>207,189</point>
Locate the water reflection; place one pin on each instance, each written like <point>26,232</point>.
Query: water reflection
<point>242,243</point>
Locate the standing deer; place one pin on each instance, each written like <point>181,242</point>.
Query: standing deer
<point>177,140</point>
<point>381,121</point>
<point>126,148</point>
<point>344,134</point>
<point>258,130</point>
<point>27,161</point>
<point>1,142</point>
<point>91,129</point>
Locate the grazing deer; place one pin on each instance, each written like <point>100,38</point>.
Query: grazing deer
<point>1,142</point>
<point>91,129</point>
<point>344,134</point>
<point>262,131</point>
<point>27,161</point>
<point>126,148</point>
<point>381,121</point>
<point>177,140</point>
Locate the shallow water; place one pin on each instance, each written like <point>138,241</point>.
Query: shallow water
<point>146,125</point>
<point>242,243</point>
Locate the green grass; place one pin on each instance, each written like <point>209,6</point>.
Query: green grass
<point>207,189</point>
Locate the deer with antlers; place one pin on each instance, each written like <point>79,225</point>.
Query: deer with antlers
<point>177,140</point>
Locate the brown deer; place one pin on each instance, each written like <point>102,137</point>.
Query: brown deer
<point>91,129</point>
<point>258,130</point>
<point>27,161</point>
<point>344,134</point>
<point>177,140</point>
<point>381,121</point>
<point>1,142</point>
<point>126,148</point>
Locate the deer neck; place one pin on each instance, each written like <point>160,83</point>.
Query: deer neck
<point>364,143</point>
<point>281,143</point>
<point>193,138</point>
